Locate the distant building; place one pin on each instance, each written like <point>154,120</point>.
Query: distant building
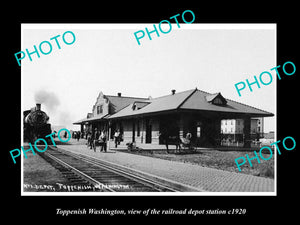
<point>267,138</point>
<point>142,120</point>
<point>233,129</point>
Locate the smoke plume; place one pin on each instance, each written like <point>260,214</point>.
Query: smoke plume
<point>47,99</point>
<point>50,102</point>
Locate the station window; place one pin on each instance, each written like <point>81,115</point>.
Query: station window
<point>217,101</point>
<point>99,109</point>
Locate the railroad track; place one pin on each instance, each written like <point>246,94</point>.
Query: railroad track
<point>85,170</point>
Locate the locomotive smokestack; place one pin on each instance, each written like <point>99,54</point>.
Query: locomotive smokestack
<point>38,106</point>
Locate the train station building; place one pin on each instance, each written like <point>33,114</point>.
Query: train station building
<point>142,120</point>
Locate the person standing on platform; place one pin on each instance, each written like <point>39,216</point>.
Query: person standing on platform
<point>65,134</point>
<point>117,137</point>
<point>89,142</point>
<point>103,141</point>
<point>93,136</point>
<point>78,135</point>
<point>96,138</point>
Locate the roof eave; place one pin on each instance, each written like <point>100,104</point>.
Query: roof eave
<point>145,114</point>
<point>92,119</point>
<point>263,114</point>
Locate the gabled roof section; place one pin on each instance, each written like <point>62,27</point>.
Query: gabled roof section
<point>198,101</point>
<point>116,103</point>
<point>119,102</point>
<point>164,103</point>
<point>191,100</point>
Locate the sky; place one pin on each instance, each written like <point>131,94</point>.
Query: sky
<point>107,58</point>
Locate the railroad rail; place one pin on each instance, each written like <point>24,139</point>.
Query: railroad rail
<point>82,169</point>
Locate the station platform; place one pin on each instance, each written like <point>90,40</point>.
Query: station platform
<point>201,178</point>
<point>156,147</point>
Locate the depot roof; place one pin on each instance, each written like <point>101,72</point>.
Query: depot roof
<point>116,103</point>
<point>95,118</point>
<point>190,100</point>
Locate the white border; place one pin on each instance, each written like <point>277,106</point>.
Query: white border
<point>113,26</point>
<point>86,26</point>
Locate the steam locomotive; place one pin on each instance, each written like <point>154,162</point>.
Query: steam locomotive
<point>36,124</point>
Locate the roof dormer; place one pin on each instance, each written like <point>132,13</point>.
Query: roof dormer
<point>138,105</point>
<point>216,99</point>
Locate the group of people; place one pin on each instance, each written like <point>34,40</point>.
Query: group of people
<point>97,138</point>
<point>75,134</point>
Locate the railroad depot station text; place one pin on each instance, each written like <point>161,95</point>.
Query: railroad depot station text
<point>150,211</point>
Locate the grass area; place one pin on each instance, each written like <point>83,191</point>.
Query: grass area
<point>224,160</point>
<point>38,172</point>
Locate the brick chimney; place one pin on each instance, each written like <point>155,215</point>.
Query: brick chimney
<point>173,92</point>
<point>119,94</point>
